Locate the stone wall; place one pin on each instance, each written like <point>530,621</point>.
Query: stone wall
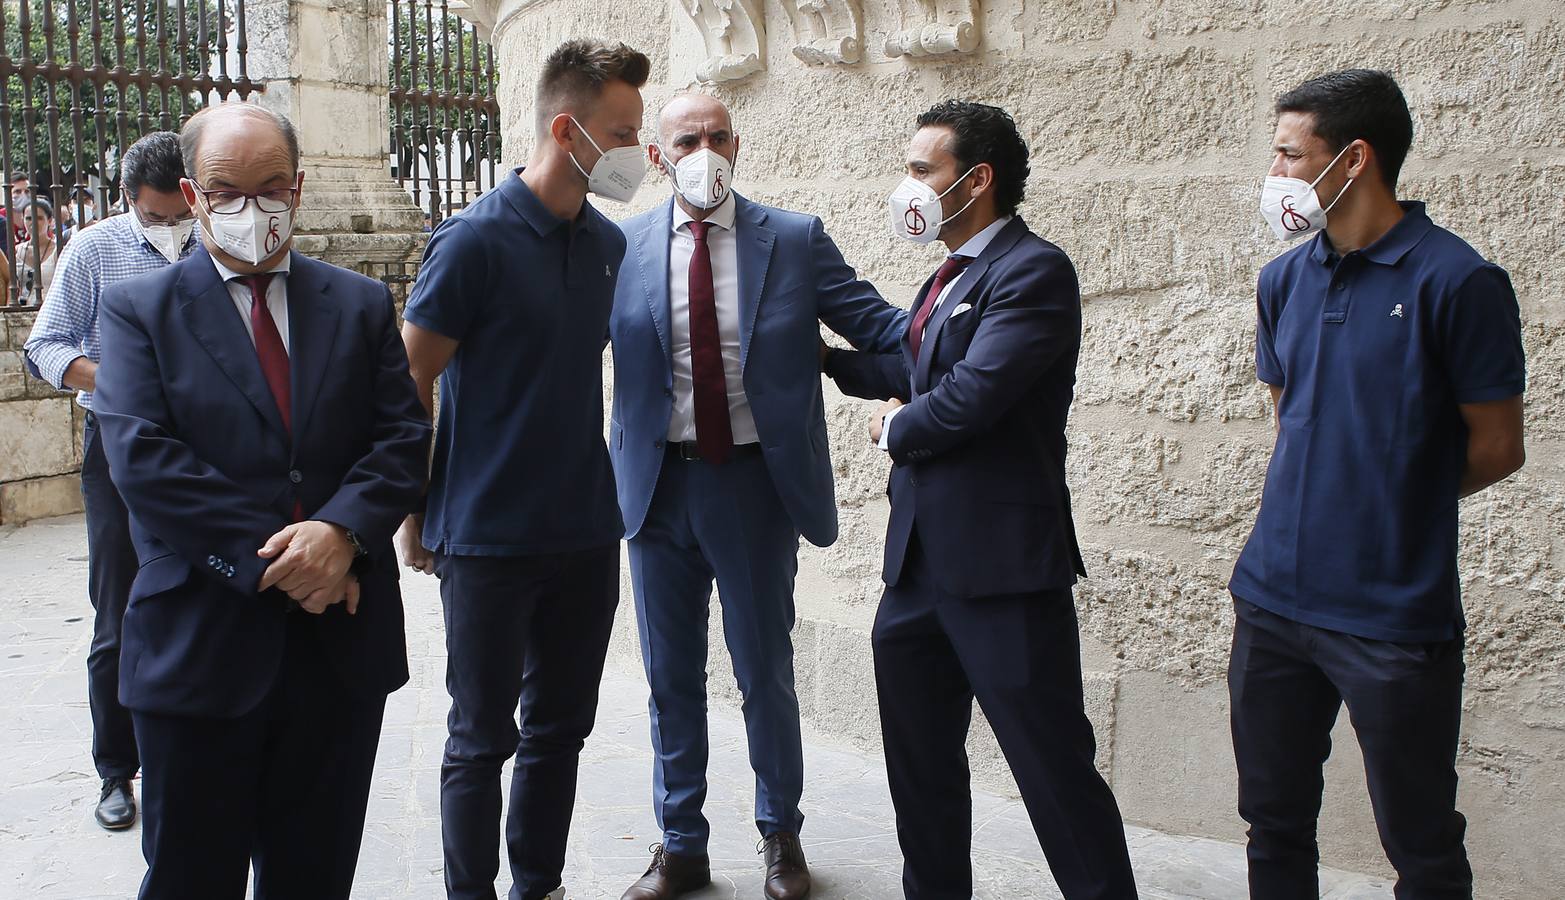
<point>40,435</point>
<point>1149,125</point>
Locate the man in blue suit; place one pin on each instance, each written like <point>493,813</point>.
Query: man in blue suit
<point>720,455</point>
<point>981,551</point>
<point>261,425</point>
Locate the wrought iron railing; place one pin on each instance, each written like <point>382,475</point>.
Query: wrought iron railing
<point>80,81</point>
<point>445,122</point>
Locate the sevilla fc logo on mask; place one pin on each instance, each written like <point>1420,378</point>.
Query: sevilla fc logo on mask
<point>914,220</point>
<point>1292,219</point>
<point>718,188</point>
<point>273,239</point>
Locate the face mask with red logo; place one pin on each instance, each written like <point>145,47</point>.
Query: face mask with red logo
<point>916,213</point>
<point>252,234</point>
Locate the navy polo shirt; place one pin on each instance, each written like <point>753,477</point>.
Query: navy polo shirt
<point>520,465</point>
<point>1374,351</point>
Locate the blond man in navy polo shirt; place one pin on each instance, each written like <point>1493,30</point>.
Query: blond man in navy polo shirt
<point>511,310</point>
<point>1394,357</point>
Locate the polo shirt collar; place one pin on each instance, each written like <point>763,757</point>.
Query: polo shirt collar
<point>1392,246</point>
<point>532,210</point>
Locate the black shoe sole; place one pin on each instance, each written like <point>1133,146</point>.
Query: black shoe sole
<point>108,827</point>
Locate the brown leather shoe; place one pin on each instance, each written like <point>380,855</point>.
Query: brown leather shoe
<point>670,875</point>
<point>787,874</point>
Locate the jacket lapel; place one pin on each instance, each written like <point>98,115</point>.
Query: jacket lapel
<point>210,315</point>
<point>312,330</point>
<point>652,247</point>
<point>971,276</point>
<point>753,242</point>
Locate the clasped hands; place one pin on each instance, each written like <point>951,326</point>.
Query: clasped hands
<point>310,563</point>
<point>877,420</point>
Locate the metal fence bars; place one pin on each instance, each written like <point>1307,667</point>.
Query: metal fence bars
<point>445,122</point>
<point>80,81</point>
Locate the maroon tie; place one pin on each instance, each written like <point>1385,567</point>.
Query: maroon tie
<point>269,347</point>
<point>714,433</point>
<point>948,270</point>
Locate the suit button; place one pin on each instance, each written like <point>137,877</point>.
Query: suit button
<point>229,571</point>
<point>295,476</point>
<point>211,560</point>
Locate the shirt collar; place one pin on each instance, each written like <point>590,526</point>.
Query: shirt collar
<point>227,274</point>
<point>978,243</point>
<point>532,209</point>
<point>722,216</point>
<point>1391,246</point>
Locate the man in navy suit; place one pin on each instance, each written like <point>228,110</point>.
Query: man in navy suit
<point>981,552</point>
<point>262,428</point>
<point>720,456</point>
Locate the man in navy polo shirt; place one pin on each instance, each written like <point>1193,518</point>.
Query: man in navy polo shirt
<point>512,308</point>
<point>1393,352</point>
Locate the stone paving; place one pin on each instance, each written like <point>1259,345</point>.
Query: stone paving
<point>51,849</point>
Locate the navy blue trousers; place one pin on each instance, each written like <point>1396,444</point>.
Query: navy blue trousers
<point>282,787</point>
<point>111,567</point>
<point>1020,657</point>
<point>529,632</point>
<point>726,523</point>
<point>1286,683</point>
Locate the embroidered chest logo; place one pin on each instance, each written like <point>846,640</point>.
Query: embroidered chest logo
<point>1396,311</point>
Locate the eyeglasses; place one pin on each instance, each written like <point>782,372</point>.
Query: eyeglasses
<point>275,200</point>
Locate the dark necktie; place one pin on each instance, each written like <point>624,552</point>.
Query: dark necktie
<point>948,270</point>
<point>714,433</point>
<point>269,347</point>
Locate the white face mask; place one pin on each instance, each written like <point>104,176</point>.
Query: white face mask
<point>916,213</point>
<point>251,234</point>
<point>617,173</point>
<point>703,178</point>
<point>170,240</point>
<point>1291,206</point>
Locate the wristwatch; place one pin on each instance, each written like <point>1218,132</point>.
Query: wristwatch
<point>359,550</point>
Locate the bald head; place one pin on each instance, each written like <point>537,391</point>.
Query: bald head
<point>226,128</point>
<point>692,115</point>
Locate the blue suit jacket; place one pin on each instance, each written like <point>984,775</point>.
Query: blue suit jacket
<point>791,277</point>
<point>979,450</point>
<point>198,450</point>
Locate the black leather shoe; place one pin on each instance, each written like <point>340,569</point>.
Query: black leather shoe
<point>787,874</point>
<point>116,805</point>
<point>670,875</point>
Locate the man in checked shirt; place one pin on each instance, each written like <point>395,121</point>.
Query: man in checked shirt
<point>63,350</point>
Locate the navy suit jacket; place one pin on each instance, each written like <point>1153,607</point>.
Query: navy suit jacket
<point>198,450</point>
<point>979,450</point>
<point>791,278</point>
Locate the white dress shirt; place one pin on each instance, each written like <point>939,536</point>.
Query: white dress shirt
<point>276,295</point>
<point>723,247</point>
<point>971,248</point>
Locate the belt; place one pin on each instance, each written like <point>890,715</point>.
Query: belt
<point>689,452</point>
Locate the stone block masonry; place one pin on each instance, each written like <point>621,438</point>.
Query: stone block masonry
<point>1149,123</point>
<point>40,435</point>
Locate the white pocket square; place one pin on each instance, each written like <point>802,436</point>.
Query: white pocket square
<point>961,308</point>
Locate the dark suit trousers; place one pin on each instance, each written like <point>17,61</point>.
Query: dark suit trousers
<point>111,567</point>
<point>1286,683</point>
<point>283,786</point>
<point>1020,656</point>
<point>528,631</point>
<point>724,522</point>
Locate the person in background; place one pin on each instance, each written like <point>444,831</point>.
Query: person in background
<point>20,194</point>
<point>63,349</point>
<point>36,258</point>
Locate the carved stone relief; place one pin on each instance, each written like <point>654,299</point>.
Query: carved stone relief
<point>735,36</point>
<point>934,27</point>
<point>826,32</point>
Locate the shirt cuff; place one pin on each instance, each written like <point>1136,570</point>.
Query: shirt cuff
<point>885,428</point>
<point>52,359</point>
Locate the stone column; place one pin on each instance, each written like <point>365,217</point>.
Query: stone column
<point>324,66</point>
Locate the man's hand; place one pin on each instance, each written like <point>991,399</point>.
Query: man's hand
<point>307,558</point>
<point>344,591</point>
<point>877,421</point>
<point>410,545</point>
